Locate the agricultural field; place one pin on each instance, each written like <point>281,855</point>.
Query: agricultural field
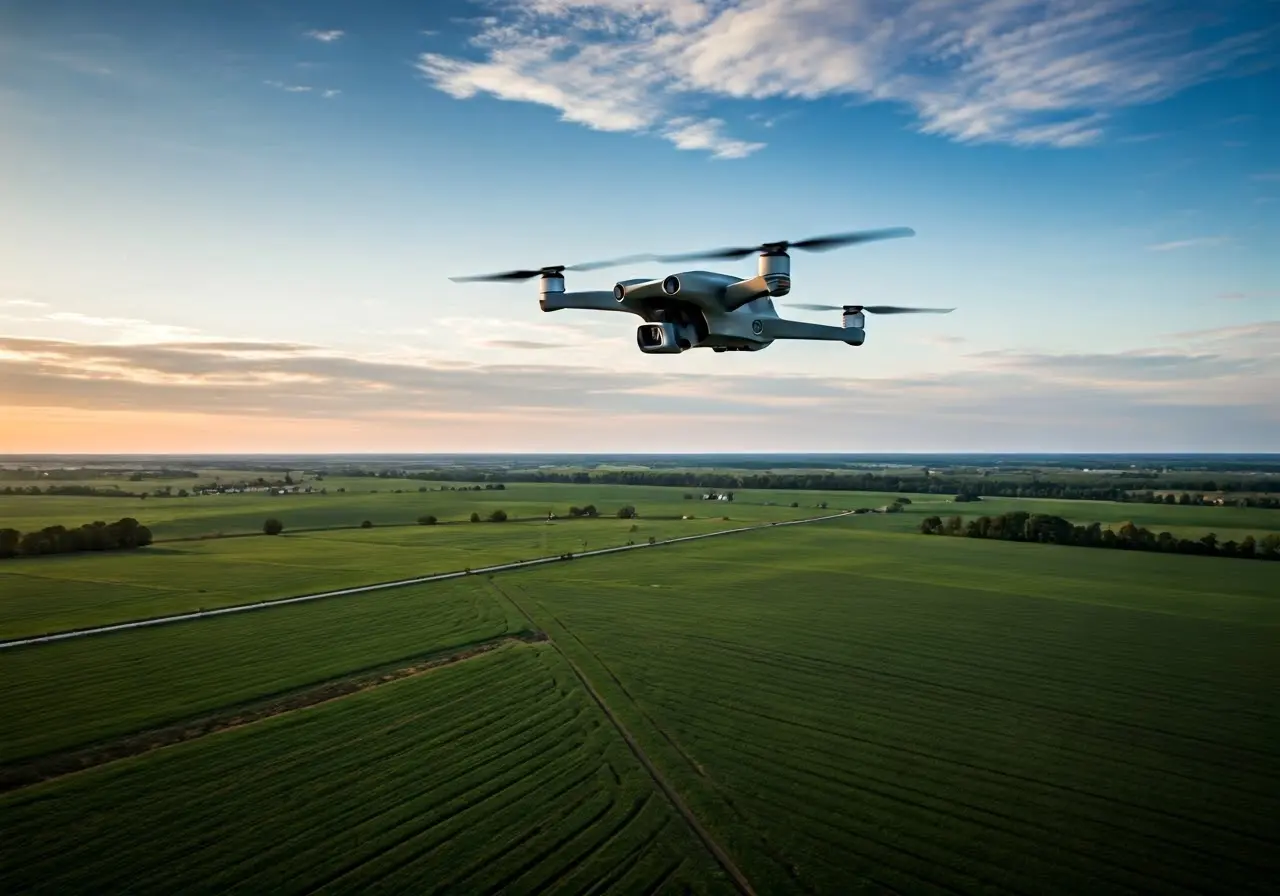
<point>845,707</point>
<point>415,786</point>
<point>54,593</point>
<point>841,706</point>
<point>70,694</point>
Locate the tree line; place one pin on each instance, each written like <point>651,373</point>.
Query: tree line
<point>1045,528</point>
<point>124,534</point>
<point>1143,489</point>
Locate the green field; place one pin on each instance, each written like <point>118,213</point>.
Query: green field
<point>843,706</point>
<point>414,787</point>
<point>45,594</point>
<point>396,502</point>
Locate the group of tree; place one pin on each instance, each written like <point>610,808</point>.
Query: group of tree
<point>79,491</point>
<point>589,510</point>
<point>1048,529</point>
<point>1074,486</point>
<point>124,534</point>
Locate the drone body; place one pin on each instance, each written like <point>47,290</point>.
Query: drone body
<point>704,309</point>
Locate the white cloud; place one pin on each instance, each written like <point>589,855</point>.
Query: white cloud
<point>1025,72</point>
<point>288,88</point>
<point>330,93</point>
<point>327,37</point>
<point>22,303</point>
<point>1192,243</point>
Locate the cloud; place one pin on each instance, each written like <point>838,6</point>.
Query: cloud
<point>288,88</point>
<point>1188,244</point>
<point>1201,390</point>
<point>330,93</point>
<point>1022,72</point>
<point>522,344</point>
<point>326,37</point>
<point>1268,176</point>
<point>22,303</point>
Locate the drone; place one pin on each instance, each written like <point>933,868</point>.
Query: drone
<point>704,309</point>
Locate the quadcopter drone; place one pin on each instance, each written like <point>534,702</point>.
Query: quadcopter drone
<point>703,309</point>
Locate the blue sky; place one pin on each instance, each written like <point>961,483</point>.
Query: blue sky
<point>229,225</point>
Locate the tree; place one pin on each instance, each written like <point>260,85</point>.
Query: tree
<point>272,527</point>
<point>498,516</point>
<point>627,513</point>
<point>475,516</point>
<point>427,520</point>
<point>367,524</point>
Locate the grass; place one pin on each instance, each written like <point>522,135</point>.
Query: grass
<point>525,791</point>
<point>73,693</point>
<point>846,709</point>
<point>45,594</point>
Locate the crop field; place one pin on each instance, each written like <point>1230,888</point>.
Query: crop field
<point>72,693</point>
<point>388,503</point>
<point>841,706</point>
<point>416,786</point>
<point>46,594</point>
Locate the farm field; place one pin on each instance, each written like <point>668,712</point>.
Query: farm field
<point>842,706</point>
<point>381,503</point>
<point>398,502</point>
<point>528,789</point>
<point>70,694</point>
<point>45,594</point>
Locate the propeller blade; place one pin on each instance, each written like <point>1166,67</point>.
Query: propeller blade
<point>815,307</point>
<point>529,274</point>
<point>898,309</point>
<point>834,241</point>
<point>504,275</point>
<point>813,244</point>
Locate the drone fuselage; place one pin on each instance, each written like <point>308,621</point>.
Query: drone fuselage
<point>704,309</point>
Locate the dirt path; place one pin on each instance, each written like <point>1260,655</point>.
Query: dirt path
<point>723,858</point>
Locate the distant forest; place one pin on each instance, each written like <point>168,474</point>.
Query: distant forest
<point>1182,490</point>
<point>1047,529</point>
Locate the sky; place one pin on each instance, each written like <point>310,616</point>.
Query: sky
<point>228,226</point>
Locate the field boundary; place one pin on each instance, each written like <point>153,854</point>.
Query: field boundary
<point>397,583</point>
<point>673,796</point>
<point>28,772</point>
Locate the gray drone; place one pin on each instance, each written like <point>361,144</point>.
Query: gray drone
<point>703,309</point>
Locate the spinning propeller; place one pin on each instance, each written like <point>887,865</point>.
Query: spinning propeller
<point>873,309</point>
<point>550,270</point>
<point>813,244</point>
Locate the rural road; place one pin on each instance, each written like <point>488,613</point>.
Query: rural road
<point>399,583</point>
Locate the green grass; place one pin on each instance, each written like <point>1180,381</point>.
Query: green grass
<point>73,693</point>
<point>845,707</point>
<point>46,594</point>
<point>413,787</point>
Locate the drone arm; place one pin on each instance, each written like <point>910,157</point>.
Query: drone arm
<point>590,300</point>
<point>780,328</point>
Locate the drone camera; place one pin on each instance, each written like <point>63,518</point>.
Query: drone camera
<point>671,285</point>
<point>660,339</point>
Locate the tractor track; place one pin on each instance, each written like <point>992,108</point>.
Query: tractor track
<point>673,796</point>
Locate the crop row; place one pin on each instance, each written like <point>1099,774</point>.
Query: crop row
<point>496,774</point>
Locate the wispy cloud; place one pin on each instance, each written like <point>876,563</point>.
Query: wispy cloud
<point>327,37</point>
<point>1193,243</point>
<point>1027,72</point>
<point>288,88</point>
<point>22,303</point>
<point>1271,176</point>
<point>330,93</point>
<point>1200,390</point>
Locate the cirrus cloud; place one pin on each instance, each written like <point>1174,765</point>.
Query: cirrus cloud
<point>1023,72</point>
